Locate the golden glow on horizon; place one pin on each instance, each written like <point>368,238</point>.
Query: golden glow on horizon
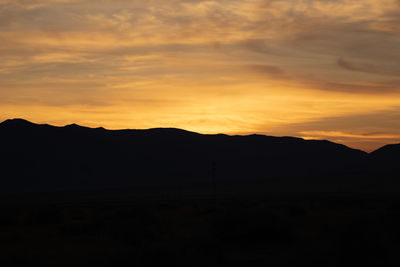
<point>307,68</point>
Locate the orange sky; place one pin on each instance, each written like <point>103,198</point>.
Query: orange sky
<point>307,68</point>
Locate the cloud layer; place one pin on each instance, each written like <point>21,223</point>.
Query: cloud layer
<point>211,66</point>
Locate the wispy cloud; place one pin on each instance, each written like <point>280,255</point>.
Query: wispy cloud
<point>201,64</point>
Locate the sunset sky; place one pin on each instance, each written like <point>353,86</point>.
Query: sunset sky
<point>317,69</point>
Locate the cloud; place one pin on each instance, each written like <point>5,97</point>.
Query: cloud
<point>368,68</point>
<point>358,136</point>
<point>358,88</point>
<point>265,69</point>
<point>254,63</point>
<point>369,130</point>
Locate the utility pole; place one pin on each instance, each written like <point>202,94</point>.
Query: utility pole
<point>214,177</point>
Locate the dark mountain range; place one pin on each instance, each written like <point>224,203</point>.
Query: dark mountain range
<point>389,154</point>
<point>386,163</point>
<point>48,158</point>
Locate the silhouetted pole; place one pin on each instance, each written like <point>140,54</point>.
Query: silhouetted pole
<point>214,177</point>
<point>339,186</point>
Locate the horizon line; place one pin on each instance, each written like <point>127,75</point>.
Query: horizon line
<point>189,131</point>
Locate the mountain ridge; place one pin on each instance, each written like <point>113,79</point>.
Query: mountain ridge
<point>23,122</point>
<point>41,157</point>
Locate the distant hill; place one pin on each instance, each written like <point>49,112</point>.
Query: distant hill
<point>387,160</point>
<point>47,158</point>
<point>390,153</point>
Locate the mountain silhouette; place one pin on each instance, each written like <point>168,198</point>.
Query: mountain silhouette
<point>388,153</point>
<point>41,157</point>
<point>385,164</point>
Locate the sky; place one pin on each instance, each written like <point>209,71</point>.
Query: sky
<point>316,69</point>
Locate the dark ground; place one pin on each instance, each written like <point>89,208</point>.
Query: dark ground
<point>145,198</point>
<point>270,231</point>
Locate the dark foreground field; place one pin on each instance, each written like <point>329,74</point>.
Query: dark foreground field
<point>301,231</point>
